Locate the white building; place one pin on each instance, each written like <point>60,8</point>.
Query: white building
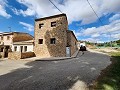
<point>23,46</point>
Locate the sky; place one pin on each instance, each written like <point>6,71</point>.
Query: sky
<point>19,16</point>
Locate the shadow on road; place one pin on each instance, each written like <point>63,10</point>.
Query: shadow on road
<point>56,75</point>
<point>42,76</point>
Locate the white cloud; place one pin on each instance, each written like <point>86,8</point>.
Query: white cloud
<point>3,4</point>
<point>28,12</point>
<point>95,35</point>
<point>27,26</point>
<point>114,17</point>
<point>112,31</point>
<point>76,10</point>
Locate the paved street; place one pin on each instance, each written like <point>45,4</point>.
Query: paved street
<point>55,75</point>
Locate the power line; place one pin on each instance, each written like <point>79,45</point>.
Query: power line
<point>9,29</point>
<point>96,15</point>
<point>55,6</point>
<point>99,19</point>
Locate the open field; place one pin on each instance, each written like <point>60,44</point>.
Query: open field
<point>110,77</point>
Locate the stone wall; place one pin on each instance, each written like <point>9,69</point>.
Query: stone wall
<point>27,55</point>
<point>14,55</point>
<point>19,55</point>
<point>46,32</point>
<point>71,42</point>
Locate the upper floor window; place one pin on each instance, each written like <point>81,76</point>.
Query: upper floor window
<point>41,25</point>
<point>52,41</point>
<point>2,38</point>
<point>40,41</point>
<point>53,24</point>
<point>8,37</point>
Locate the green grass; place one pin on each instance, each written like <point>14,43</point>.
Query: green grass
<point>110,79</point>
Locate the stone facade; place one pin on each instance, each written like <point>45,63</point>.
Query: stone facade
<point>48,28</point>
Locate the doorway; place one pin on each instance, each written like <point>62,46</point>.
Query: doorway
<point>68,52</point>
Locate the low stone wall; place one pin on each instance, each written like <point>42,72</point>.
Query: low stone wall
<point>14,55</point>
<point>27,55</point>
<point>19,55</point>
<point>2,54</point>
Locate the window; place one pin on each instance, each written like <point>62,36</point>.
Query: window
<point>53,24</point>
<point>40,41</point>
<point>21,48</point>
<point>15,48</point>
<point>2,38</point>
<point>41,25</point>
<point>25,48</point>
<point>1,50</point>
<point>52,41</point>
<point>8,37</point>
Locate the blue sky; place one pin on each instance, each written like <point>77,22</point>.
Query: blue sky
<point>20,15</point>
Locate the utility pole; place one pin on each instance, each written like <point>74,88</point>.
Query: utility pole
<point>9,29</point>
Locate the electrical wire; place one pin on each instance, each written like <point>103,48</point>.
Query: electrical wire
<point>55,6</point>
<point>100,21</point>
<point>97,15</point>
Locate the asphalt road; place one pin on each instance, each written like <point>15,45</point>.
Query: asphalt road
<point>56,75</point>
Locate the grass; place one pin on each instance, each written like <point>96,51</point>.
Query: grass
<point>110,77</point>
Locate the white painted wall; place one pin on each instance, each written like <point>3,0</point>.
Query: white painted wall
<point>29,48</point>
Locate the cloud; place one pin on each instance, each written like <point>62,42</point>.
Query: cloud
<point>114,17</point>
<point>3,12</point>
<point>112,31</point>
<point>28,12</point>
<point>27,26</point>
<point>77,10</point>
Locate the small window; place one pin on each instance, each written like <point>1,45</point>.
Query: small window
<point>25,48</point>
<point>15,48</point>
<point>8,37</point>
<point>21,48</point>
<point>53,24</point>
<point>52,41</point>
<point>2,38</point>
<point>41,25</point>
<point>40,41</point>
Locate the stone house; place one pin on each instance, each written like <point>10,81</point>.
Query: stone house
<point>11,41</point>
<point>52,37</point>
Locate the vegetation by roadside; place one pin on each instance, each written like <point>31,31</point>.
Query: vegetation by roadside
<point>110,77</point>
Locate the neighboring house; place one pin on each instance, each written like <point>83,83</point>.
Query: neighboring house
<point>52,37</point>
<point>9,40</point>
<point>23,46</point>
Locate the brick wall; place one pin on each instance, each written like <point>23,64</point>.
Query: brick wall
<point>46,32</point>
